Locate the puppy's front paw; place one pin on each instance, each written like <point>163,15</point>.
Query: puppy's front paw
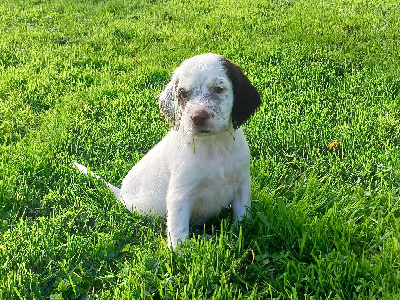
<point>174,242</point>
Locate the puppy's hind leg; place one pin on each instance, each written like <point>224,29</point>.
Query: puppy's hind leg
<point>116,191</point>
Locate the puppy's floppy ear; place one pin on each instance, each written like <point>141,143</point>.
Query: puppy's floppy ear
<point>246,97</point>
<point>168,103</point>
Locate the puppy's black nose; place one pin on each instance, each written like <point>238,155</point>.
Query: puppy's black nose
<point>200,117</point>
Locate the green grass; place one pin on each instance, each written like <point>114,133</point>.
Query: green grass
<point>78,81</point>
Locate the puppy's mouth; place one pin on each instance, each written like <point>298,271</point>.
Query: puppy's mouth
<point>201,132</point>
<point>204,131</point>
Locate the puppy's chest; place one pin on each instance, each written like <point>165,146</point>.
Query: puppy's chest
<point>217,182</point>
<point>217,177</point>
<point>218,167</point>
<point>213,168</point>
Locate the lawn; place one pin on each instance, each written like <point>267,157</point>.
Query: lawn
<point>79,80</point>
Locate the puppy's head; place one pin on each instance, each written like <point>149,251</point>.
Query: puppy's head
<point>208,94</point>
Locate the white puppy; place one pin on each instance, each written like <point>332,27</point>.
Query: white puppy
<point>203,164</point>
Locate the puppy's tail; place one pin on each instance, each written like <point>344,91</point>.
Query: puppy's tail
<point>116,191</point>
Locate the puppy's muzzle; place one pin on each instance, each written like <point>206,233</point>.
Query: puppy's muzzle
<point>200,118</point>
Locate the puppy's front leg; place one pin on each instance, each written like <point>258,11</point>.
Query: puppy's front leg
<point>178,216</point>
<point>242,200</point>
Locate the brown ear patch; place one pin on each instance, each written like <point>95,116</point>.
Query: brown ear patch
<point>246,97</point>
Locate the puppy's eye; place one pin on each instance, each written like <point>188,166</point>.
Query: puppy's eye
<point>218,89</point>
<point>183,93</point>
